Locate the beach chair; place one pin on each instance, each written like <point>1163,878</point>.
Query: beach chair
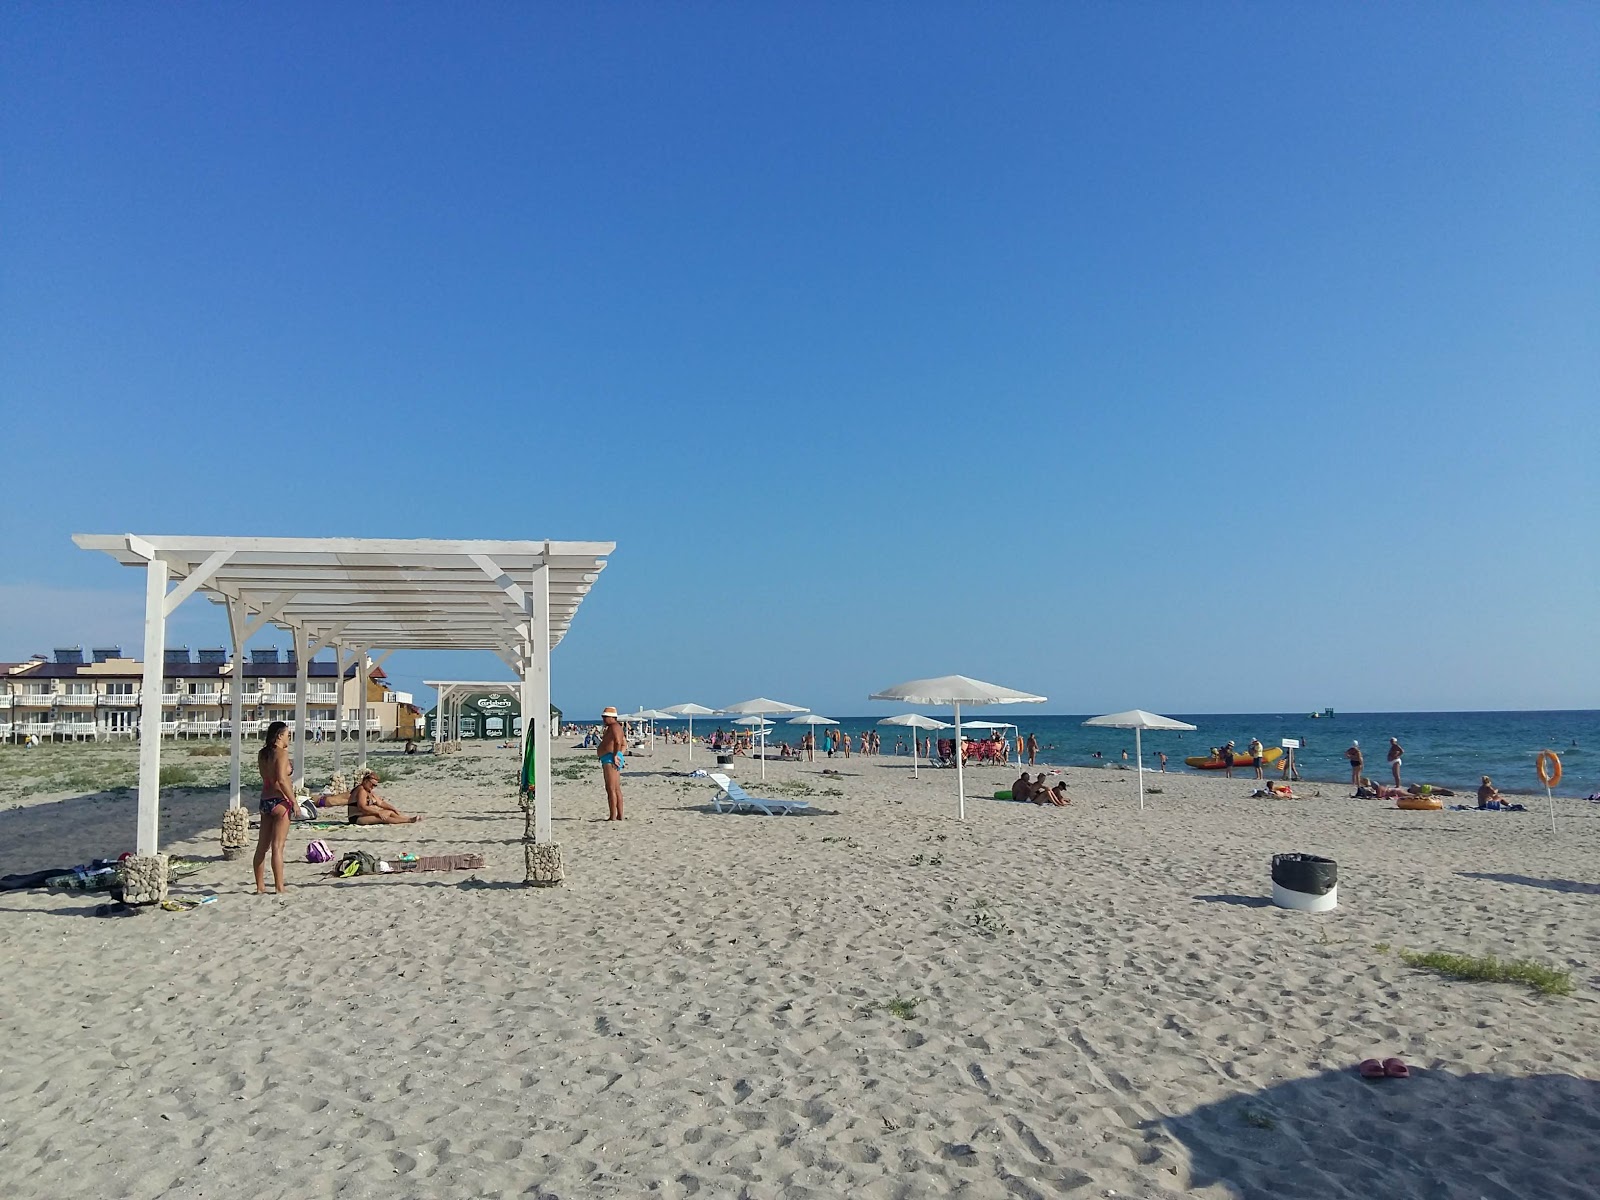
<point>732,798</point>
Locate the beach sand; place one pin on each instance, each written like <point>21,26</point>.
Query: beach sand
<point>1094,1000</point>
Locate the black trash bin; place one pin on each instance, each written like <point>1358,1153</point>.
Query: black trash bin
<point>1305,882</point>
<point>724,760</point>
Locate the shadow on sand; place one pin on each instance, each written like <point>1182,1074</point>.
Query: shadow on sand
<point>1437,1134</point>
<point>102,825</point>
<point>1241,901</point>
<point>1554,885</point>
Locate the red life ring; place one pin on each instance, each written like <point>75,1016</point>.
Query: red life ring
<point>1548,759</point>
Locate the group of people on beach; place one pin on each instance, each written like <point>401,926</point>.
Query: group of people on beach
<point>278,807</point>
<point>1358,760</point>
<point>1039,791</point>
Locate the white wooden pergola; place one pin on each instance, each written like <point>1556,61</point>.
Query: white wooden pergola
<point>364,598</point>
<point>452,691</point>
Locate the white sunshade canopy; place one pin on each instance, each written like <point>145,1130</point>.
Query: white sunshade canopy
<point>1137,720</point>
<point>916,721</point>
<point>393,593</point>
<point>811,719</point>
<point>955,689</point>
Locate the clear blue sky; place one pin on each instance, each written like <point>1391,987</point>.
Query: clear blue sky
<point>1206,358</point>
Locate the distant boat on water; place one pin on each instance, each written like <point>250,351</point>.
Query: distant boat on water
<point>1327,712</point>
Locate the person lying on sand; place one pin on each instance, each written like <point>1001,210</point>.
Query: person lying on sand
<point>366,807</point>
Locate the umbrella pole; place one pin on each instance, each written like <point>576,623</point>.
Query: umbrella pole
<point>961,781</point>
<point>1138,753</point>
<point>763,753</point>
<point>691,737</point>
<point>914,732</point>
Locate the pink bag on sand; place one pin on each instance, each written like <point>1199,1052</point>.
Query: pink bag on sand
<point>319,851</point>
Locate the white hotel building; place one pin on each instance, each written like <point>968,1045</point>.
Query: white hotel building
<point>69,699</point>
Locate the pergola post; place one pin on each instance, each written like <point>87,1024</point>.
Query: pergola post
<point>235,821</point>
<point>361,708</point>
<point>542,855</point>
<point>302,673</point>
<point>338,709</point>
<point>145,873</point>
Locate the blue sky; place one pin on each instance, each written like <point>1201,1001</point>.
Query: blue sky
<point>1206,358</point>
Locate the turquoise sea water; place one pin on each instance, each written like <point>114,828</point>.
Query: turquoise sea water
<point>1453,749</point>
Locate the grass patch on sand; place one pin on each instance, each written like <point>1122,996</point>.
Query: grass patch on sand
<point>790,787</point>
<point>902,1008</point>
<point>1486,968</point>
<point>174,775</point>
<point>213,751</point>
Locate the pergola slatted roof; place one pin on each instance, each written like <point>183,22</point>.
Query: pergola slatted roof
<point>398,594</point>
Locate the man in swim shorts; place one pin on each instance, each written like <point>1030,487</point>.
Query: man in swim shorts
<point>612,751</point>
<point>1395,754</point>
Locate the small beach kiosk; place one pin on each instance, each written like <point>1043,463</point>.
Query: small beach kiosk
<point>363,597</point>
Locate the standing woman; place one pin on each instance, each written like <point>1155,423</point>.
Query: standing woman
<point>277,790</point>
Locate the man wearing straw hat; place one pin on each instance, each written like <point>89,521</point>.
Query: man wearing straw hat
<point>612,750</point>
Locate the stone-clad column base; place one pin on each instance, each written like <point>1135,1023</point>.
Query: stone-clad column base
<point>144,879</point>
<point>235,832</point>
<point>544,865</point>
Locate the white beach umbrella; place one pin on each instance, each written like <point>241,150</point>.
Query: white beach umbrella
<point>812,720</point>
<point>955,690</point>
<point>1137,720</point>
<point>915,721</point>
<point>647,717</point>
<point>761,707</point>
<point>691,711</point>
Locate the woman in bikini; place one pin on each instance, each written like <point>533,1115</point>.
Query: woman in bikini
<point>277,805</point>
<point>366,807</point>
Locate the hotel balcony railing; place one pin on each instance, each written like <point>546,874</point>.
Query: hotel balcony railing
<point>206,727</point>
<point>168,727</point>
<point>74,728</point>
<point>119,700</point>
<point>5,699</point>
<point>170,699</point>
<point>34,699</point>
<point>277,698</point>
<point>202,698</point>
<point>75,700</point>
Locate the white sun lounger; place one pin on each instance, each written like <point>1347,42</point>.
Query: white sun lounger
<point>732,798</point>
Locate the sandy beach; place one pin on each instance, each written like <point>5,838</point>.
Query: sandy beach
<point>873,1000</point>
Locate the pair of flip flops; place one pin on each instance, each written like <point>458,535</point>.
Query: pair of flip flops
<point>1389,1068</point>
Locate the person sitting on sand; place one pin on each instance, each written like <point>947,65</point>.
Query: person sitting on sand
<point>1022,789</point>
<point>1058,794</point>
<point>1488,793</point>
<point>366,807</point>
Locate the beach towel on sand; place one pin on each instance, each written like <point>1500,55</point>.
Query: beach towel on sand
<point>445,862</point>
